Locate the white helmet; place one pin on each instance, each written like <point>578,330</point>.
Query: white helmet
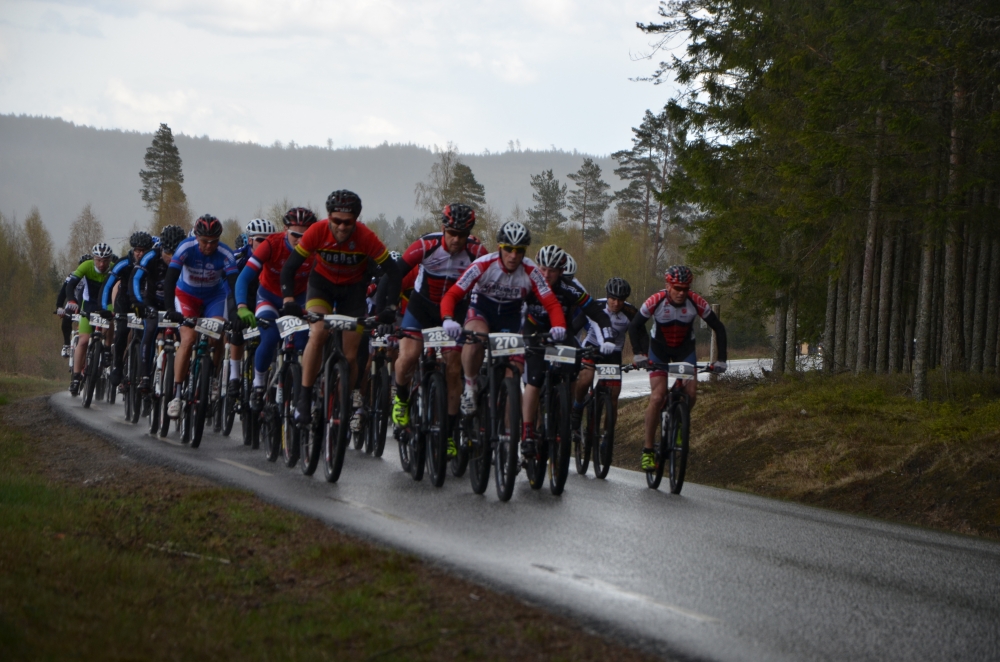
<point>551,257</point>
<point>570,269</point>
<point>101,250</point>
<point>513,233</point>
<point>260,226</point>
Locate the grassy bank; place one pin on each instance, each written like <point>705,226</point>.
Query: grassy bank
<point>105,558</point>
<point>857,444</point>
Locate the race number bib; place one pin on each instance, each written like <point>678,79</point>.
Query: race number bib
<point>252,332</point>
<point>75,317</point>
<point>164,323</point>
<point>209,326</point>
<point>609,372</point>
<point>98,321</point>
<point>437,337</point>
<point>134,321</point>
<point>341,322</point>
<point>682,371</point>
<point>507,344</point>
<point>379,341</point>
<point>560,354</point>
<point>290,324</point>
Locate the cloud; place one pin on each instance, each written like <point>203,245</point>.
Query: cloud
<point>374,130</point>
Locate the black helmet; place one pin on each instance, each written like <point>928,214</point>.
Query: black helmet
<point>141,239</point>
<point>85,257</point>
<point>345,202</point>
<point>299,216</point>
<point>207,226</point>
<point>170,238</point>
<point>458,217</point>
<point>241,240</point>
<point>618,288</point>
<point>513,233</point>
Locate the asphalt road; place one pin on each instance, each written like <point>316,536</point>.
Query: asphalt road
<point>709,574</point>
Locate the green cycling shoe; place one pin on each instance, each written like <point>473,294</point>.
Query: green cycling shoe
<point>400,412</point>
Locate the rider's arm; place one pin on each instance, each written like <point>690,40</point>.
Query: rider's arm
<point>458,291</point>
<point>547,299</point>
<point>137,273</point>
<point>61,297</point>
<point>393,279</point>
<point>637,333</point>
<point>109,284</point>
<point>71,283</point>
<point>247,277</point>
<point>714,323</point>
<point>595,312</point>
<point>292,264</point>
<point>169,284</point>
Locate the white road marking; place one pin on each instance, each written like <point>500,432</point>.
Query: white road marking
<point>244,467</point>
<point>605,587</point>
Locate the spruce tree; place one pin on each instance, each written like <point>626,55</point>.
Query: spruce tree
<point>589,200</point>
<point>162,180</point>
<point>464,188</point>
<point>550,200</point>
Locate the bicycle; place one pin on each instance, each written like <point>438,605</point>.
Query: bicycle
<point>494,437</point>
<point>250,420</point>
<point>675,429</point>
<point>94,378</point>
<point>278,429</point>
<point>376,408</point>
<point>196,394</point>
<point>425,439</point>
<point>554,443</point>
<point>163,377</point>
<point>597,429</point>
<point>130,373</point>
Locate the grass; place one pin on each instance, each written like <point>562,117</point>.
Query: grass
<point>858,444</point>
<point>104,558</point>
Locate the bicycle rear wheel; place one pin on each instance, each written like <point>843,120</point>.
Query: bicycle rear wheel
<point>477,431</point>
<point>416,440</point>
<point>202,401</point>
<point>379,425</point>
<point>537,466</point>
<point>437,429</point>
<point>90,373</point>
<point>655,475</point>
<point>166,392</point>
<point>678,443</point>
<point>337,416</point>
<point>290,436</point>
<point>583,439</point>
<point>508,428</point>
<point>562,447</point>
<point>604,437</point>
<point>133,396</point>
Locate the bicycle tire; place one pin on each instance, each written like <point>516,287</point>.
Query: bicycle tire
<point>229,407</point>
<point>336,417</point>
<point>310,442</point>
<point>655,475</point>
<point>247,416</point>
<point>166,392</point>
<point>90,376</point>
<point>203,402</point>
<point>583,439</point>
<point>477,428</point>
<point>127,372</point>
<point>562,447</point>
<point>358,436</point>
<point>604,437</point>
<point>215,404</point>
<point>417,441</point>
<point>271,431</point>
<point>380,415</point>
<point>437,429</point>
<point>134,396</point>
<point>289,433</point>
<point>538,465</point>
<point>507,459</point>
<point>678,447</point>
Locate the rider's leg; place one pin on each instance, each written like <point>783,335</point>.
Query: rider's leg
<point>311,359</point>
<point>658,386</point>
<point>79,356</point>
<point>691,387</point>
<point>583,382</point>
<point>472,361</point>
<point>409,353</point>
<point>182,357</point>
<point>264,354</point>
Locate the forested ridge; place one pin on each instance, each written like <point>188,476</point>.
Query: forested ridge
<point>844,158</point>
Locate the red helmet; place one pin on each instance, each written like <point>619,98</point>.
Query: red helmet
<point>458,217</point>
<point>207,226</point>
<point>678,275</point>
<point>299,216</point>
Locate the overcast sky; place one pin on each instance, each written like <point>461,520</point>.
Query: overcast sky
<point>479,74</point>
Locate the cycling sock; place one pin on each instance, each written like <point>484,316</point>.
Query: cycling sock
<point>452,425</point>
<point>577,405</point>
<point>402,393</point>
<point>177,389</point>
<point>234,370</point>
<point>527,430</point>
<point>259,378</point>
<point>470,383</point>
<point>305,397</point>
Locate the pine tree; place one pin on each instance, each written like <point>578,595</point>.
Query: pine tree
<point>162,181</point>
<point>589,200</point>
<point>550,200</point>
<point>464,188</point>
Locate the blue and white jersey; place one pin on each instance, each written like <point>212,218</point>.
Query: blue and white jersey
<point>203,276</point>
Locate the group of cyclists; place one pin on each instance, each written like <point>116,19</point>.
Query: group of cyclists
<point>446,282</point>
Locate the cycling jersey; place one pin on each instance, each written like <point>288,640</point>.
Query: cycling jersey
<point>92,279</point>
<point>341,264</point>
<point>147,279</point>
<point>672,336</point>
<point>266,263</point>
<point>203,276</point>
<point>437,269</point>
<point>498,291</point>
<point>572,296</point>
<point>120,272</point>
<point>619,325</point>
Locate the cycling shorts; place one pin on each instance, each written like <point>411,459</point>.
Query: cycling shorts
<point>421,314</point>
<point>614,358</point>
<point>344,299</point>
<point>659,364</point>
<point>497,317</point>
<point>189,305</point>
<point>269,302</point>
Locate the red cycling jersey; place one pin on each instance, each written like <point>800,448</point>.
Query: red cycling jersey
<point>270,257</point>
<point>342,264</point>
<point>436,268</point>
<point>674,325</point>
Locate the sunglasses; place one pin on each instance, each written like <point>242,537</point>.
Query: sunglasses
<point>520,250</point>
<point>260,239</point>
<point>456,233</point>
<point>336,221</point>
<point>297,235</point>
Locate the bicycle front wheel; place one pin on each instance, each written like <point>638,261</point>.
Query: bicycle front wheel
<point>133,396</point>
<point>436,427</point>
<point>379,425</point>
<point>203,400</point>
<point>290,437</point>
<point>678,443</point>
<point>604,436</point>
<point>655,475</point>
<point>90,375</point>
<point>477,432</point>
<point>508,430</point>
<point>337,417</point>
<point>562,446</point>
<point>166,392</point>
<point>583,439</point>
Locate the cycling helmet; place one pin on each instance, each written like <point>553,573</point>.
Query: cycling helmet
<point>299,216</point>
<point>618,288</point>
<point>114,258</point>
<point>141,239</point>
<point>260,226</point>
<point>156,242</point>
<point>207,226</point>
<point>344,201</point>
<point>458,217</point>
<point>678,275</point>
<point>551,257</point>
<point>170,238</point>
<point>242,240</point>
<point>570,269</point>
<point>85,257</point>
<point>513,233</point>
<point>101,250</point>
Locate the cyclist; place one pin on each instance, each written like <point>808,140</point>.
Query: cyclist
<point>338,282</point>
<point>67,320</point>
<point>141,242</point>
<point>440,259</point>
<point>148,282</point>
<point>199,283</point>
<point>261,228</point>
<point>91,274</point>
<point>264,267</point>
<point>674,310</point>
<point>620,312</point>
<point>499,283</point>
<point>571,295</point>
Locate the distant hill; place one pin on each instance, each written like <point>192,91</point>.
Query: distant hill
<point>60,167</point>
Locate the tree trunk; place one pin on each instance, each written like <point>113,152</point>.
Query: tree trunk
<point>780,319</point>
<point>936,326</point>
<point>896,314</point>
<point>992,310</point>
<point>923,323</point>
<point>843,295</point>
<point>868,274</point>
<point>792,334</point>
<point>979,317</point>
<point>830,325</point>
<point>886,297</point>
<point>971,264</point>
<point>854,312</point>
<point>952,357</point>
